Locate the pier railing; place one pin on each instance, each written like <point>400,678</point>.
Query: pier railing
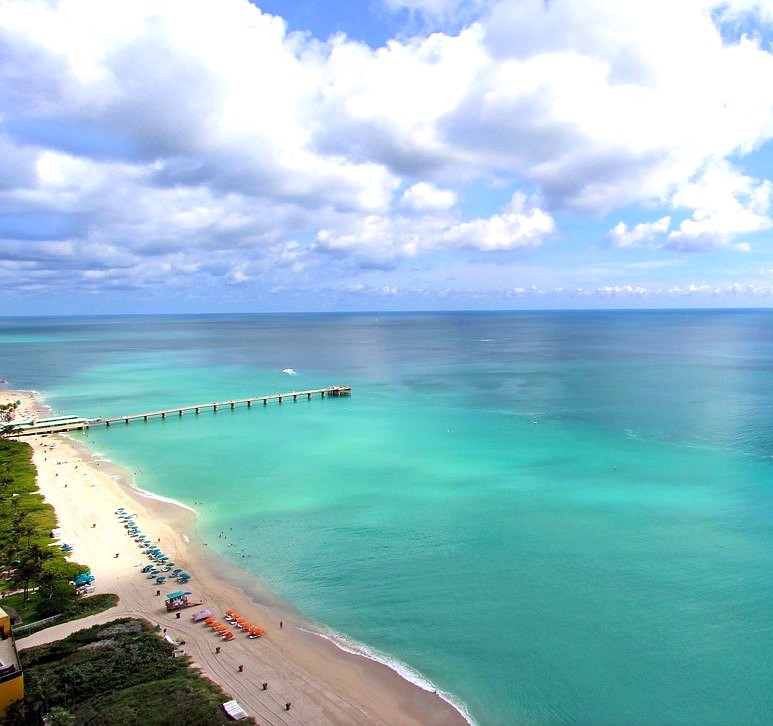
<point>46,426</point>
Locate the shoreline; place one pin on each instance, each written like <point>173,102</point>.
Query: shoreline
<point>326,677</point>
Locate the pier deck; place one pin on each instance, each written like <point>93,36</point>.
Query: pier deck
<point>57,425</point>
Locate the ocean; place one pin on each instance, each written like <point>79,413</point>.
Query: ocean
<point>551,517</point>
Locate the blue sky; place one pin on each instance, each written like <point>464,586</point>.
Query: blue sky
<point>193,155</point>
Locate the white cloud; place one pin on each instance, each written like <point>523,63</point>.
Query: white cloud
<point>522,225</point>
<point>726,204</point>
<point>384,105</point>
<point>439,12</point>
<point>425,197</point>
<point>194,140</point>
<point>623,236</point>
<point>380,241</point>
<point>613,291</point>
<point>373,240</point>
<point>604,104</point>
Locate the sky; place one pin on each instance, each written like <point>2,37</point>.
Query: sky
<point>344,155</point>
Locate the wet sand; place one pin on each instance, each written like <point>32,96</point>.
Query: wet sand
<point>324,684</point>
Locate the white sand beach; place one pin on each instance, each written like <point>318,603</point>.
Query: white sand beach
<point>324,684</point>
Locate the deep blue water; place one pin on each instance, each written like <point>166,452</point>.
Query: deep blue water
<point>554,517</point>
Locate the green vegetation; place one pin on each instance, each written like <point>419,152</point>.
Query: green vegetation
<point>120,673</point>
<point>28,561</point>
<point>73,609</point>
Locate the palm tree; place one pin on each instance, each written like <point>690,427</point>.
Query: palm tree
<point>30,566</point>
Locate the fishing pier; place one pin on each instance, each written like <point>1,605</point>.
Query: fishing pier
<point>75,423</point>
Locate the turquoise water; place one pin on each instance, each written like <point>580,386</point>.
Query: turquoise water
<point>554,517</point>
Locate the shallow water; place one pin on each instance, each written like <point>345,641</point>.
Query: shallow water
<point>555,517</point>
